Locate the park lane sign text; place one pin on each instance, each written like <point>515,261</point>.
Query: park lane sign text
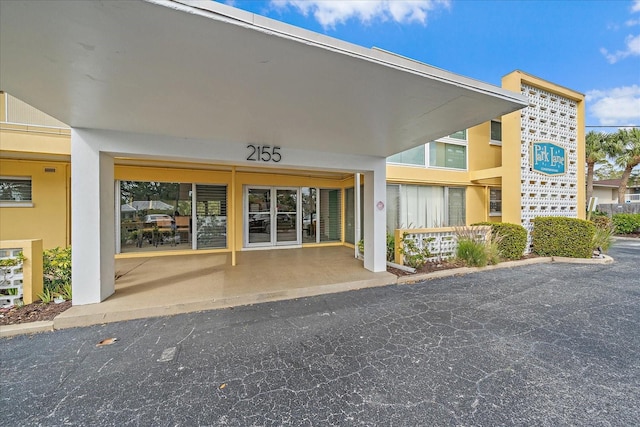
<point>548,158</point>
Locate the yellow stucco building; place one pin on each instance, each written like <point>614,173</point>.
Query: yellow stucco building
<point>474,175</point>
<point>272,139</point>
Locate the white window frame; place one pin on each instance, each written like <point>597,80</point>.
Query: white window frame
<point>495,141</point>
<point>450,141</point>
<point>411,165</point>
<point>499,213</point>
<point>446,140</point>
<point>402,204</point>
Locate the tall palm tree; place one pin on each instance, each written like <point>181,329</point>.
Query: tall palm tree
<point>625,145</point>
<point>596,151</point>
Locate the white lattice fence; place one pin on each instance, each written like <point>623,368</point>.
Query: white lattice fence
<point>442,243</point>
<point>11,278</point>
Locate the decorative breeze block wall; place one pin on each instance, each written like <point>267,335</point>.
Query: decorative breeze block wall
<point>548,118</point>
<point>11,279</point>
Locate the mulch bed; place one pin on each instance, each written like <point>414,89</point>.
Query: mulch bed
<point>31,312</point>
<point>429,267</point>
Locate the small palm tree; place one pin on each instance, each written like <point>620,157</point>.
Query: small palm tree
<point>596,151</point>
<point>625,147</point>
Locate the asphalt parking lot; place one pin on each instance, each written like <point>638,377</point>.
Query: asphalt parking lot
<point>547,344</point>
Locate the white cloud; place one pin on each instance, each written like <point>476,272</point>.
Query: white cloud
<point>615,107</point>
<point>632,42</point>
<point>329,13</point>
<point>632,49</point>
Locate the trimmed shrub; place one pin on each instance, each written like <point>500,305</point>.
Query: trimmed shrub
<point>560,236</point>
<point>511,238</point>
<point>626,223</point>
<point>57,267</point>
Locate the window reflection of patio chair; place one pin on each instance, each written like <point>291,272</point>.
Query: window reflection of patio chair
<point>163,231</point>
<point>182,228</point>
<point>139,238</point>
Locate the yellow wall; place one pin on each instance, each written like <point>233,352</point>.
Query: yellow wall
<point>482,154</point>
<point>35,140</point>
<point>48,219</point>
<point>421,175</point>
<point>39,148</point>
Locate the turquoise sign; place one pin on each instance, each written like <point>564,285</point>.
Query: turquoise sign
<point>548,158</point>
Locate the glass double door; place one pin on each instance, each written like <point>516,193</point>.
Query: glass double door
<point>272,216</point>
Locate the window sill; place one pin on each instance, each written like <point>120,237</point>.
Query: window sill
<point>409,165</point>
<point>7,204</point>
<point>493,142</point>
<point>495,214</point>
<point>448,168</point>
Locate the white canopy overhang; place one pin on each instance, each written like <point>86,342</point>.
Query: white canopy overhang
<point>208,71</point>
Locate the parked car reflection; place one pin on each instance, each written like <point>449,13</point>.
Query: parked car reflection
<point>259,222</point>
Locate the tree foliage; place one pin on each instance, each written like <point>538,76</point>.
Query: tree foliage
<point>625,149</point>
<point>617,154</point>
<point>596,152</point>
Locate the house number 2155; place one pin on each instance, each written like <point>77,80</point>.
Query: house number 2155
<point>264,153</point>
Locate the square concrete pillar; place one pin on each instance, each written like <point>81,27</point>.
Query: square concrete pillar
<point>375,217</point>
<point>93,221</point>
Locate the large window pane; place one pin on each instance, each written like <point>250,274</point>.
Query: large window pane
<point>393,207</point>
<point>154,216</point>
<point>495,201</point>
<point>309,224</point>
<point>422,206</point>
<point>496,131</point>
<point>447,155</point>
<point>456,207</point>
<point>287,216</point>
<point>211,216</point>
<point>259,219</point>
<point>413,156</point>
<point>350,215</point>
<point>462,134</point>
<point>417,206</point>
<point>330,215</point>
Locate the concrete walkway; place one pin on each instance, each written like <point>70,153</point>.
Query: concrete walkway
<point>148,287</point>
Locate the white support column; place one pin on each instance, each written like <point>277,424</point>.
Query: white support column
<point>356,211</point>
<point>93,227</point>
<point>375,218</point>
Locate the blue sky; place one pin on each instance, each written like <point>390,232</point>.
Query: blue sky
<point>590,46</point>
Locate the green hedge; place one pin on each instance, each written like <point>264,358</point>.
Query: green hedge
<point>512,239</point>
<point>626,223</point>
<point>559,236</point>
